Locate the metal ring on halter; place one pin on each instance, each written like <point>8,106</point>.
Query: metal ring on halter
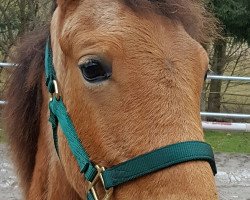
<point>92,185</point>
<point>56,93</point>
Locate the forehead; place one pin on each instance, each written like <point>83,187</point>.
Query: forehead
<point>99,19</point>
<point>197,22</point>
<point>110,27</point>
<point>92,14</point>
<point>109,16</point>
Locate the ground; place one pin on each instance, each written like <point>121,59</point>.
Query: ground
<point>8,182</point>
<point>233,178</point>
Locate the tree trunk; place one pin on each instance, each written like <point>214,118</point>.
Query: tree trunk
<point>218,64</point>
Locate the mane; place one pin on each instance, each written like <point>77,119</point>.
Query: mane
<point>194,15</point>
<point>24,96</point>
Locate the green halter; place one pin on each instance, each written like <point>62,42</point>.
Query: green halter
<point>126,171</point>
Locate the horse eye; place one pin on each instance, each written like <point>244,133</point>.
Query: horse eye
<point>94,70</point>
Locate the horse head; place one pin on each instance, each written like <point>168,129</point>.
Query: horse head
<point>130,74</point>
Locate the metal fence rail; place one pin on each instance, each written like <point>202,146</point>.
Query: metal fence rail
<point>228,78</point>
<point>3,102</point>
<point>225,115</point>
<point>7,65</point>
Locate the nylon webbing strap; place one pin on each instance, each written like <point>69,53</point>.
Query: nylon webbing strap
<point>54,123</point>
<point>90,196</point>
<point>139,166</point>
<point>156,160</point>
<point>59,112</point>
<point>49,68</point>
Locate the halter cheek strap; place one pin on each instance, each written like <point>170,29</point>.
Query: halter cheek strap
<point>126,171</point>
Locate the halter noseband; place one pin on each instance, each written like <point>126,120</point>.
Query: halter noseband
<point>126,171</point>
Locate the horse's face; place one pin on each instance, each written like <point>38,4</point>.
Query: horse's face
<point>151,99</point>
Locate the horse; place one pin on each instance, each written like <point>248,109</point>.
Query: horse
<point>130,75</point>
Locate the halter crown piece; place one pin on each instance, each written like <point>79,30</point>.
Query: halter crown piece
<point>126,171</point>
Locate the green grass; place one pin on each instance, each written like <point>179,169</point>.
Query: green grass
<point>228,142</point>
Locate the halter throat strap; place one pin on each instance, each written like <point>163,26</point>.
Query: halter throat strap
<point>126,171</point>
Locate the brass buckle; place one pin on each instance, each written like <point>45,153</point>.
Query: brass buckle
<point>56,93</point>
<point>92,185</point>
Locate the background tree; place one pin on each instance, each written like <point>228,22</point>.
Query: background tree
<point>235,20</point>
<point>17,17</point>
